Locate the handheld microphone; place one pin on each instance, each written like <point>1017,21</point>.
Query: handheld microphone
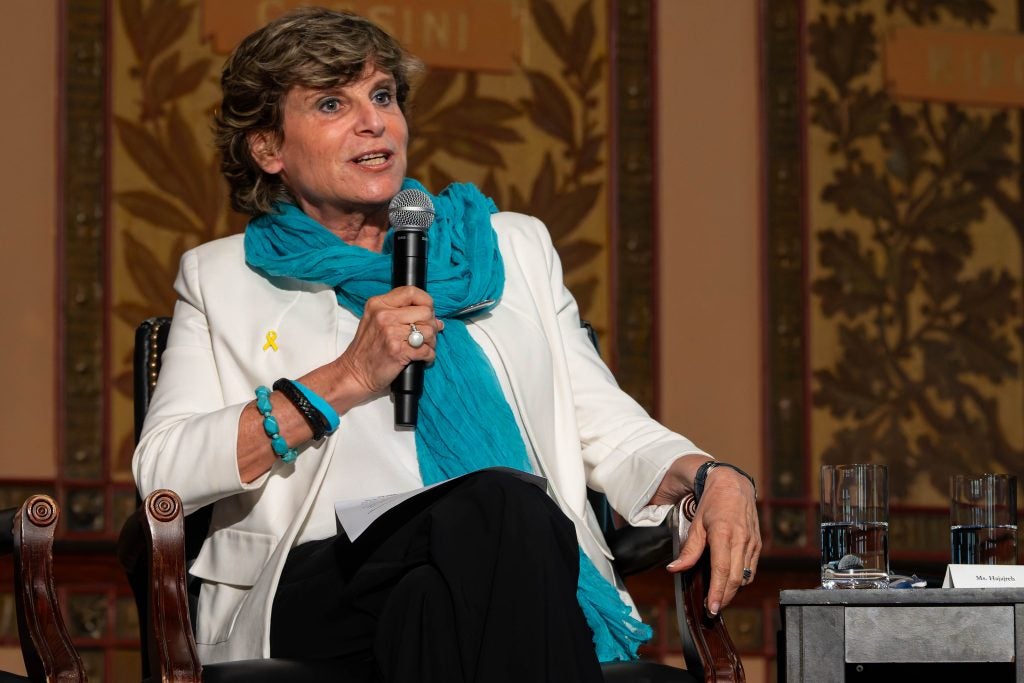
<point>411,213</point>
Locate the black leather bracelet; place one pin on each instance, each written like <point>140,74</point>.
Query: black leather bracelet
<point>702,475</point>
<point>314,418</point>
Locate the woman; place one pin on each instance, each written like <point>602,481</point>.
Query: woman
<point>496,578</point>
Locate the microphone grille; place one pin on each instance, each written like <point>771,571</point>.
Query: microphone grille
<point>411,209</point>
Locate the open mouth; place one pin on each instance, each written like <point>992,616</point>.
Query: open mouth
<point>373,159</point>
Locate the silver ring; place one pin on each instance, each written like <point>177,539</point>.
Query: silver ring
<point>747,573</point>
<point>415,337</point>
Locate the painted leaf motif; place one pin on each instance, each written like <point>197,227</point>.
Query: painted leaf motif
<point>149,155</point>
<point>866,113</point>
<point>551,28</point>
<point>124,385</point>
<point>473,150</point>
<point>542,194</point>
<point>989,297</point>
<point>860,189</point>
<point>578,253</point>
<point>149,274</point>
<point>491,188</point>
<point>471,120</point>
<point>439,178</point>
<point>583,34</point>
<point>594,73</point>
<point>825,114</point>
<point>590,154</point>
<point>190,167</point>
<point>489,108</point>
<point>549,108</point>
<point>845,50</point>
<point>157,211</point>
<point>165,22</point>
<point>189,79</point>
<point>584,292</point>
<point>161,81</point>
<point>854,286</point>
<point>419,153</point>
<point>939,270</point>
<point>907,148</point>
<point>941,367</point>
<point>983,353</point>
<point>568,210</point>
<point>429,93</point>
<point>131,15</point>
<point>978,147</point>
<point>850,444</point>
<point>517,202</point>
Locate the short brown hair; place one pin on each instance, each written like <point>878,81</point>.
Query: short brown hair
<point>312,47</point>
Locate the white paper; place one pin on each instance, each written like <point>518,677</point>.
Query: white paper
<point>356,516</point>
<point>984,576</point>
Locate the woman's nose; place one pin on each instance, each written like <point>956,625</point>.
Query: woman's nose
<point>370,119</point>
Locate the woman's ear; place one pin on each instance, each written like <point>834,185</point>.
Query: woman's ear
<point>265,151</point>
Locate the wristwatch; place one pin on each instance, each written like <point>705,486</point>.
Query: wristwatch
<point>702,475</point>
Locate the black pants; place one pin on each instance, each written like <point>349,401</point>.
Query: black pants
<point>473,581</point>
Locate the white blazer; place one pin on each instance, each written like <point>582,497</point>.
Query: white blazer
<point>581,426</point>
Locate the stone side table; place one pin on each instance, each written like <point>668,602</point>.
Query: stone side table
<point>972,634</point>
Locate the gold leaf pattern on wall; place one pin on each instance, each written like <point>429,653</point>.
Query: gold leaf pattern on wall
<point>916,281</point>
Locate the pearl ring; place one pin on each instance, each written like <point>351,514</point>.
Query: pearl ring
<point>415,337</point>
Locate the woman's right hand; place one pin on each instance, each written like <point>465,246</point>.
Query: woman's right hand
<point>380,349</point>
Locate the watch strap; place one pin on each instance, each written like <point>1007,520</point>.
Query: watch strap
<point>702,474</point>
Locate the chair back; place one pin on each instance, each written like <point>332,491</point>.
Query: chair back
<point>150,342</point>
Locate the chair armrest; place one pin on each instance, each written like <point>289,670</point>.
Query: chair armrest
<point>45,642</point>
<point>707,648</point>
<point>151,549</point>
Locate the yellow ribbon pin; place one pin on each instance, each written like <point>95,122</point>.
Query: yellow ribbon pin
<point>271,341</point>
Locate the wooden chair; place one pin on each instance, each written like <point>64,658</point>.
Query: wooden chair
<point>26,532</point>
<point>156,542</point>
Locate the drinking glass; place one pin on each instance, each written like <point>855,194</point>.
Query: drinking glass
<point>983,518</point>
<point>854,526</point>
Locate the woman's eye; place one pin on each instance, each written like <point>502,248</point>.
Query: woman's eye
<point>382,97</point>
<point>330,104</point>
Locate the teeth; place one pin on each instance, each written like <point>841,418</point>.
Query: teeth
<point>372,159</point>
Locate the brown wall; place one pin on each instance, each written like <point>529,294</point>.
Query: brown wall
<point>708,174</point>
<point>709,208</point>
<point>28,138</point>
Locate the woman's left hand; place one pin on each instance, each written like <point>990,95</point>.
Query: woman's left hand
<point>726,520</point>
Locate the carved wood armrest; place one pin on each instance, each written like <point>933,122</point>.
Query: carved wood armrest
<point>151,549</point>
<point>27,533</point>
<point>707,648</point>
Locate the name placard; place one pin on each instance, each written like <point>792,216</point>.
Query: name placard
<point>482,35</point>
<point>984,576</point>
<point>969,67</point>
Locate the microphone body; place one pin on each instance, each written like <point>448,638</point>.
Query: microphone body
<point>411,213</point>
<point>409,267</point>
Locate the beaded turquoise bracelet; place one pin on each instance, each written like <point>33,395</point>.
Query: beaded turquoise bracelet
<point>277,441</point>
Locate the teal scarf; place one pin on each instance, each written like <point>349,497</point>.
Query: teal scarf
<point>465,423</point>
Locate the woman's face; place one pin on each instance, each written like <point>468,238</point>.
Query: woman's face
<point>343,150</point>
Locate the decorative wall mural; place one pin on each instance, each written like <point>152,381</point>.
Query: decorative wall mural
<point>912,253</point>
